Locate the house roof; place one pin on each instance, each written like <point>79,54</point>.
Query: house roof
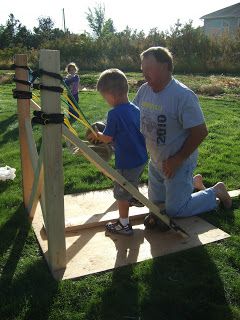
<point>228,12</point>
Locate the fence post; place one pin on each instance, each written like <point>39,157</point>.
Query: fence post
<point>23,110</point>
<point>52,163</point>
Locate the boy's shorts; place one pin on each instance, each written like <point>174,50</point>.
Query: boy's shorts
<point>132,176</point>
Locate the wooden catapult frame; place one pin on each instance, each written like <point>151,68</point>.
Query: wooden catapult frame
<point>42,174</point>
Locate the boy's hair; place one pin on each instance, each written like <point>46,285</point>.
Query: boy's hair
<point>71,64</point>
<point>113,81</point>
<point>161,54</point>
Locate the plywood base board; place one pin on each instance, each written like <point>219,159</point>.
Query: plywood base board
<point>90,251</point>
<point>95,208</point>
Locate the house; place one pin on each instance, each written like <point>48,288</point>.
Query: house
<point>226,20</point>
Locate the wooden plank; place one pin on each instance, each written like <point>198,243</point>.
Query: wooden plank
<point>79,209</point>
<point>34,105</point>
<point>23,110</point>
<point>79,223</point>
<point>104,167</point>
<point>52,162</point>
<point>96,208</point>
<point>31,144</point>
<point>34,160</point>
<point>234,193</point>
<point>90,251</point>
<point>37,187</point>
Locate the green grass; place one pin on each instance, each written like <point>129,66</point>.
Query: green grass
<point>212,85</point>
<point>201,283</point>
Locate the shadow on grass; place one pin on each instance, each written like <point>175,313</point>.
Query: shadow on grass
<point>4,185</point>
<point>180,286</point>
<point>222,218</point>
<point>27,288</point>
<point>185,286</point>
<point>8,135</point>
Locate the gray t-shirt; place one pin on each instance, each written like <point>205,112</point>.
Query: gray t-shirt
<point>166,117</point>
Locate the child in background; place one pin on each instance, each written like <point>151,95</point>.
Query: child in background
<point>72,80</point>
<point>123,129</point>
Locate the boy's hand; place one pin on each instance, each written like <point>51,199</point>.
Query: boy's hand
<point>170,166</point>
<point>93,138</point>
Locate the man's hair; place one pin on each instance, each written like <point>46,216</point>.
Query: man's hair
<point>161,54</point>
<point>113,81</point>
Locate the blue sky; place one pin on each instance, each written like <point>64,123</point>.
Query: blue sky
<point>141,15</point>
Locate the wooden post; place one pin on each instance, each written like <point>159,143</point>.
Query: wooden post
<point>52,163</point>
<point>23,110</point>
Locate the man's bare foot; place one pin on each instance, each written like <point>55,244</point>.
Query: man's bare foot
<point>222,194</point>
<point>198,182</point>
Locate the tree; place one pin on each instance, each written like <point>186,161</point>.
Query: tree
<point>44,31</point>
<point>8,33</point>
<point>23,37</point>
<point>108,28</point>
<point>45,25</point>
<point>98,23</point>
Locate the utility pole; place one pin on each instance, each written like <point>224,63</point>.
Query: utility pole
<point>64,25</point>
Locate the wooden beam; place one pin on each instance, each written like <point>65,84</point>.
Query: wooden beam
<point>34,160</point>
<point>34,105</point>
<point>234,193</point>
<point>23,110</point>
<point>37,187</point>
<point>52,163</point>
<point>105,168</point>
<point>87,221</point>
<point>76,223</point>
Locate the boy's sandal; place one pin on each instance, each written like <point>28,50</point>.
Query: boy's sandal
<point>117,227</point>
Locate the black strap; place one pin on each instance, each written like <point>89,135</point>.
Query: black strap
<point>39,86</point>
<point>14,66</point>
<point>50,74</point>
<point>20,94</point>
<point>36,86</point>
<point>43,118</point>
<point>36,74</point>
<point>28,83</point>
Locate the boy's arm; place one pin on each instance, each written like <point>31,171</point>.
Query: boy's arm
<point>100,137</point>
<point>109,132</point>
<point>196,135</point>
<point>103,138</point>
